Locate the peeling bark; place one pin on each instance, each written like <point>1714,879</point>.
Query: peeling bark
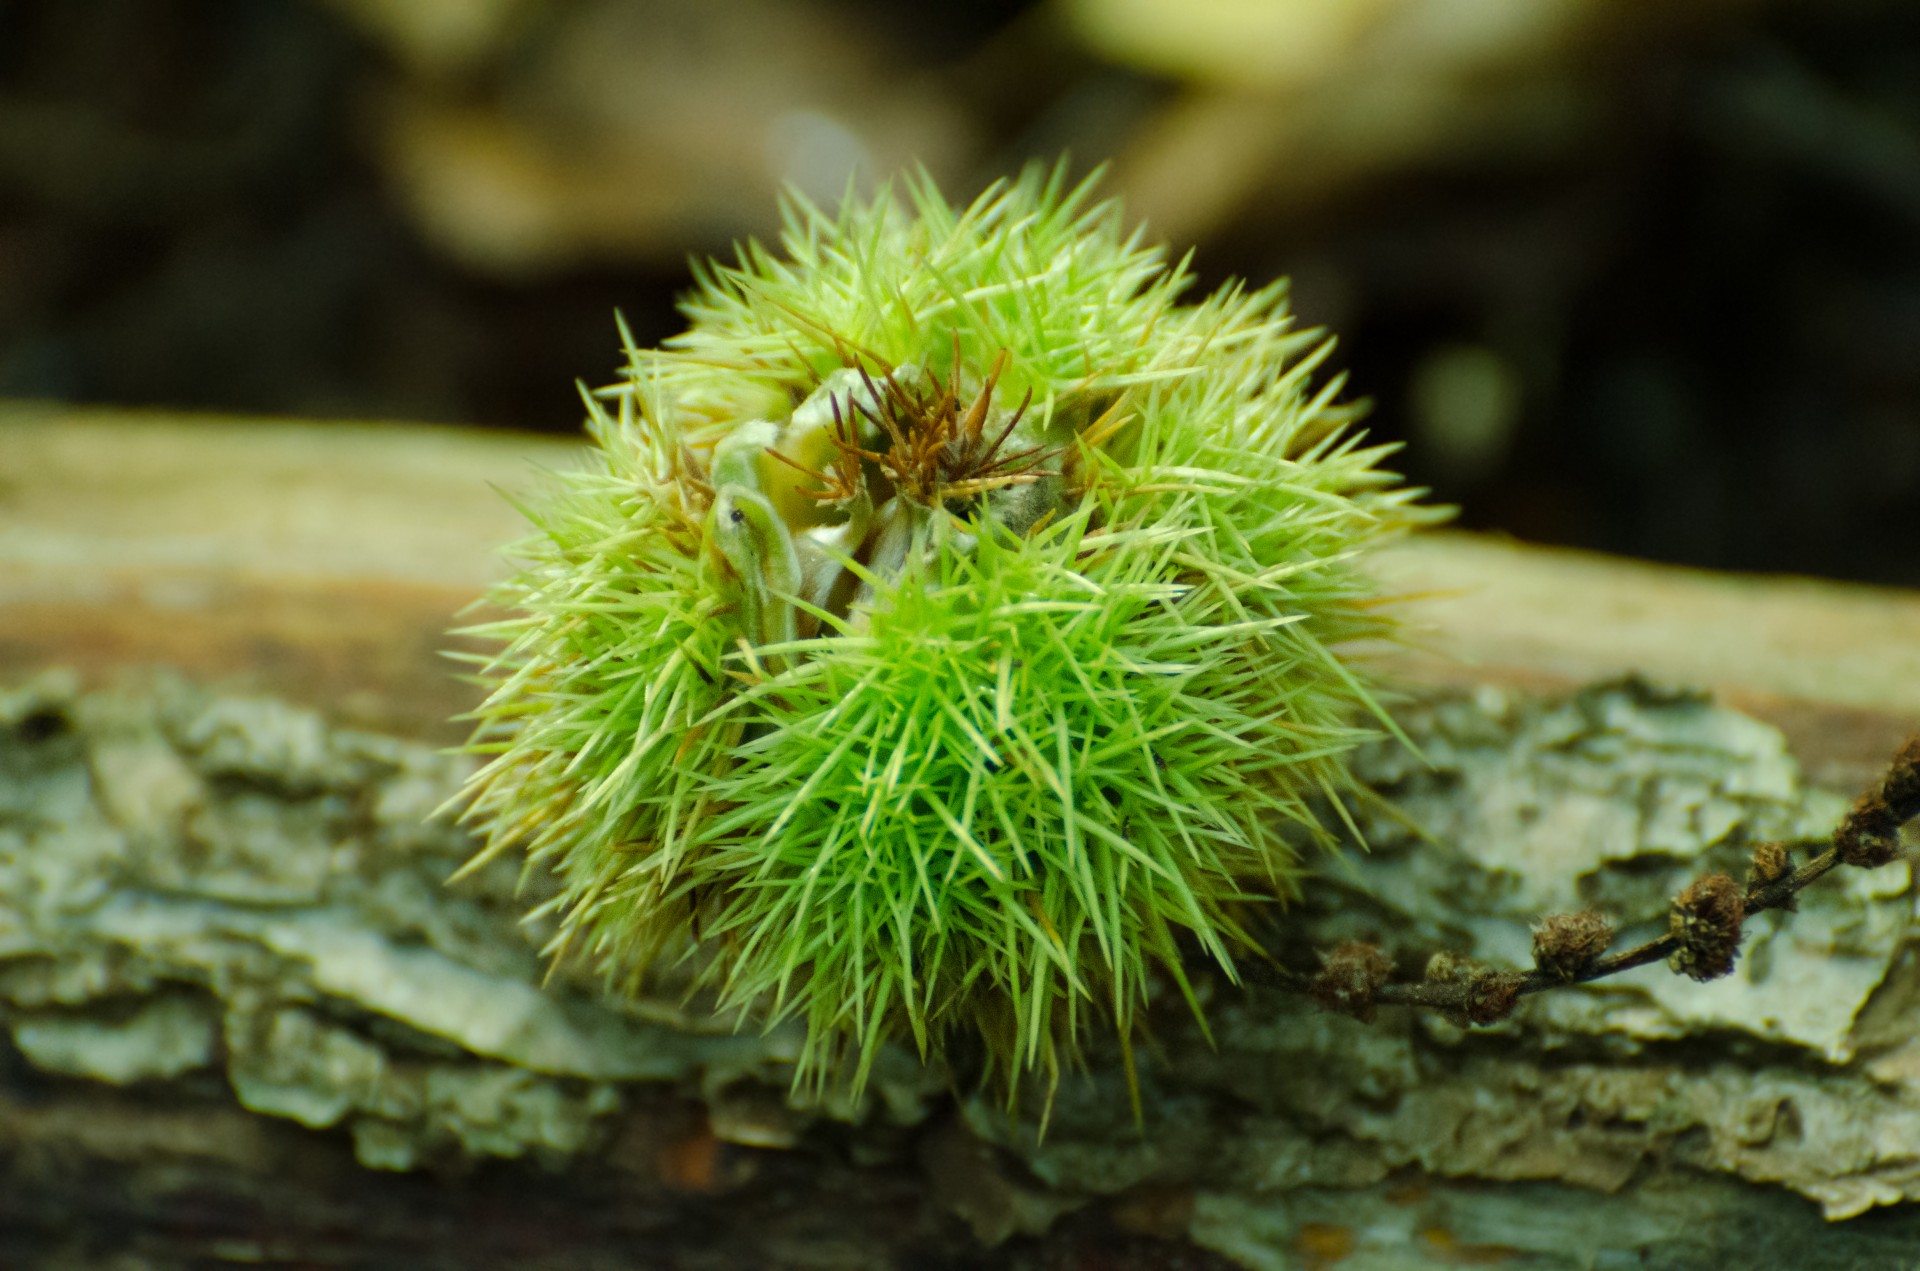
<point>243,1018</point>
<point>248,1020</point>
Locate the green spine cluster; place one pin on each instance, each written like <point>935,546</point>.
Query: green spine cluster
<point>944,630</point>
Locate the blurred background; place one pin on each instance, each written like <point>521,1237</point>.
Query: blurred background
<point>1639,275</point>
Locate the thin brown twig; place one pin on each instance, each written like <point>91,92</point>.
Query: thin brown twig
<point>1704,924</point>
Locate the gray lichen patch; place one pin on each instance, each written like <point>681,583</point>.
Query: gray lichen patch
<point>1667,1220</point>
<point>294,1063</point>
<point>1798,1070</point>
<point>1614,799</point>
<point>173,905</point>
<point>163,1036</point>
<point>189,880</point>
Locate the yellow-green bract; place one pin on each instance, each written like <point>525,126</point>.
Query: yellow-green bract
<point>944,629</point>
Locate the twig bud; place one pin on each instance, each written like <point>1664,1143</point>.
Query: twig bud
<point>1565,946</point>
<point>1492,995</point>
<point>1349,977</point>
<point>1771,863</point>
<point>1870,835</point>
<point>1486,996</point>
<point>1902,786</point>
<point>1706,920</point>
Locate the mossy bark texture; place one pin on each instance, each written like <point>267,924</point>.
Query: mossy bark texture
<point>245,1019</point>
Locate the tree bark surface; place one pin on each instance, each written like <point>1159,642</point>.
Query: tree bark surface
<point>244,1018</point>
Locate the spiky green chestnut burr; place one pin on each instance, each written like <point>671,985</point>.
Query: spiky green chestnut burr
<point>944,630</point>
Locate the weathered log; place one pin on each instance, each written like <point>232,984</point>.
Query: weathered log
<point>324,563</point>
<point>245,1019</point>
